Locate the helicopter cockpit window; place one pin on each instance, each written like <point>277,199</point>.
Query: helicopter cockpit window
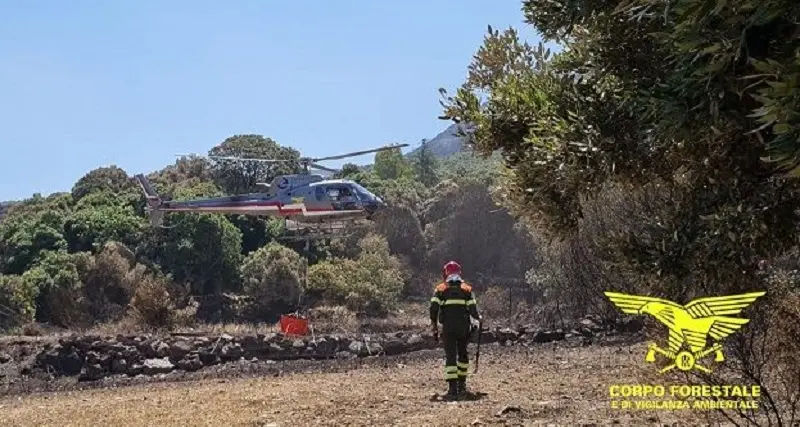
<point>319,193</point>
<point>333,193</point>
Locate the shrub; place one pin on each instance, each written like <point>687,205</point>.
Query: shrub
<point>369,285</point>
<point>154,305</point>
<point>17,301</point>
<point>332,319</point>
<point>272,277</point>
<point>109,280</point>
<point>495,302</point>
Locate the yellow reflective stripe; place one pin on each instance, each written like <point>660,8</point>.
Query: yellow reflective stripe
<point>455,302</point>
<point>463,365</point>
<point>436,300</point>
<point>462,374</point>
<point>472,302</point>
<point>452,376</point>
<point>450,368</point>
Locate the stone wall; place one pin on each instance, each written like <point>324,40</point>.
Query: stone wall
<point>93,357</point>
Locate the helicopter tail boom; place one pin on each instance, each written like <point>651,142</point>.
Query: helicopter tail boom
<point>154,201</point>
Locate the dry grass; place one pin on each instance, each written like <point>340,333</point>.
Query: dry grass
<point>549,385</point>
<point>410,316</point>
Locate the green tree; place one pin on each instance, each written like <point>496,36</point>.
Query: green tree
<point>426,165</point>
<point>641,143</point>
<point>99,218</point>
<point>25,236</point>
<point>390,164</point>
<point>565,138</point>
<point>204,250</point>
<point>470,167</point>
<point>110,179</point>
<point>55,276</point>
<point>237,176</point>
<point>348,171</point>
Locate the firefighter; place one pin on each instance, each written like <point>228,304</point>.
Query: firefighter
<point>452,305</point>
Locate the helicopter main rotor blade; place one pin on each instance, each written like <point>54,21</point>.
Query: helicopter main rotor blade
<point>359,153</point>
<point>246,159</point>
<point>316,166</point>
<point>234,158</point>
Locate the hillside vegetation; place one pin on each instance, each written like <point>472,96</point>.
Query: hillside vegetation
<point>87,257</point>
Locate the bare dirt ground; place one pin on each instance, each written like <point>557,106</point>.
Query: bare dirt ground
<point>542,385</point>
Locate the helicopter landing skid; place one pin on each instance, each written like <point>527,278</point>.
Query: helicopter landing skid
<point>321,230</point>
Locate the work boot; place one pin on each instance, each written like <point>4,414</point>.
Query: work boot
<point>461,387</point>
<point>452,390</point>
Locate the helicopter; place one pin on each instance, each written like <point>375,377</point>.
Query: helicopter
<point>307,202</point>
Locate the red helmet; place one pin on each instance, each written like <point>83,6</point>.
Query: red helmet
<point>451,267</point>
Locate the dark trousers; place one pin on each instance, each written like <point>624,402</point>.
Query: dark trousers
<point>456,357</point>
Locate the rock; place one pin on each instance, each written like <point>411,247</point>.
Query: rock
<point>298,344</point>
<point>159,349</point>
<point>60,360</point>
<point>345,355</point>
<point>207,357</point>
<point>506,334</point>
<point>415,339</point>
<point>179,349</point>
<point>325,347</point>
<point>548,336</point>
<point>157,366</point>
<point>5,358</point>
<point>131,353</point>
<point>119,366</point>
<point>135,369</point>
<point>232,351</point>
<point>272,337</point>
<point>91,372</point>
<point>226,338</point>
<point>374,349</point>
<point>93,357</point>
<point>190,364</point>
<point>358,348</point>
<point>394,347</point>
<point>101,345</point>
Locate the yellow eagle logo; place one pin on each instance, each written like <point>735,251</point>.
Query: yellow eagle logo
<point>689,325</point>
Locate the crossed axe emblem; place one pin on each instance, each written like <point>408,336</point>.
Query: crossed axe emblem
<point>684,360</point>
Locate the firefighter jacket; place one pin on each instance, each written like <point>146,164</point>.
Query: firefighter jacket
<point>452,305</point>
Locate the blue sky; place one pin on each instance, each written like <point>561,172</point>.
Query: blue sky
<point>86,84</point>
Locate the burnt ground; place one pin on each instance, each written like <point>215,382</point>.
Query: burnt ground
<point>552,384</point>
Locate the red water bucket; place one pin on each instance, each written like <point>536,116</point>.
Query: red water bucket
<point>293,325</point>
